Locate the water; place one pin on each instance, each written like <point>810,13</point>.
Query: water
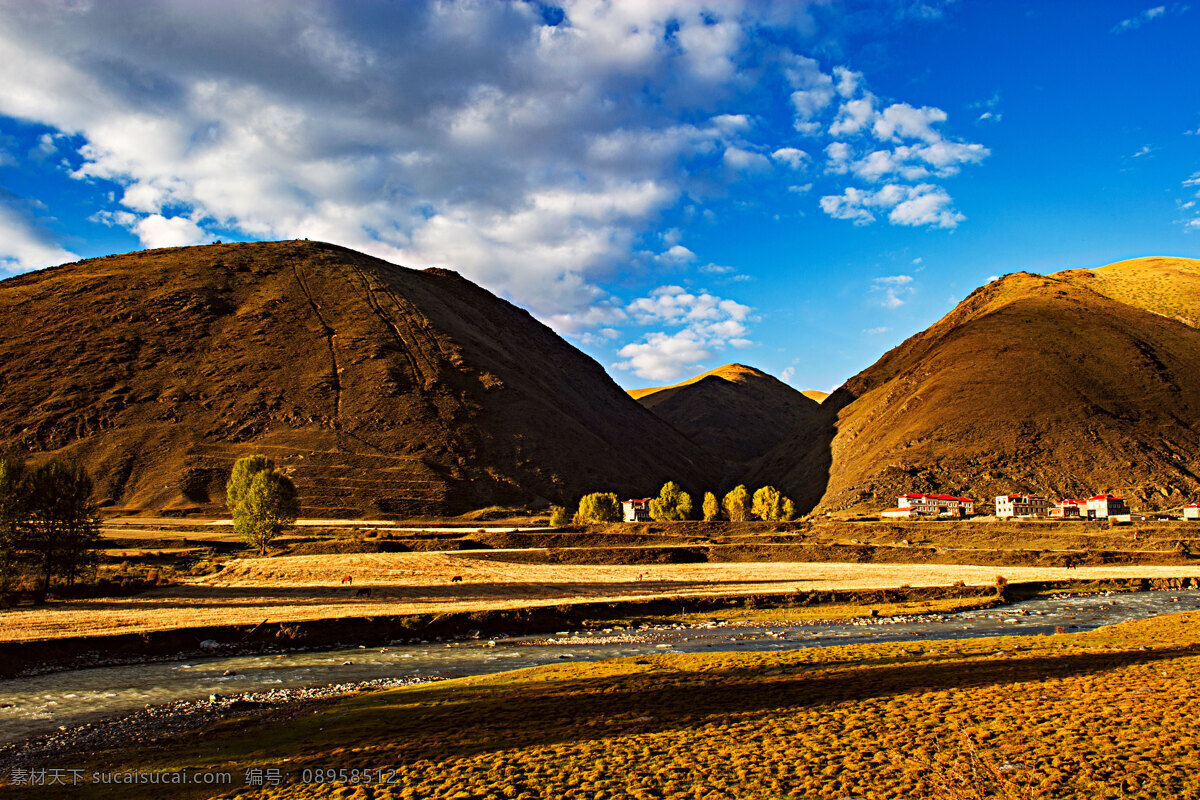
<point>30,706</point>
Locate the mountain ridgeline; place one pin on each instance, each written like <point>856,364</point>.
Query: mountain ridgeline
<point>1065,385</point>
<point>386,391</point>
<point>382,390</point>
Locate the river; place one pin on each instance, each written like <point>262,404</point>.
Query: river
<point>42,704</point>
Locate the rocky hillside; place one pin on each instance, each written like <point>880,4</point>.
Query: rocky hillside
<point>1032,383</point>
<point>384,390</point>
<point>735,412</point>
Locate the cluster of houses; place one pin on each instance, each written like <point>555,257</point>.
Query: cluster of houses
<point>1101,506</point>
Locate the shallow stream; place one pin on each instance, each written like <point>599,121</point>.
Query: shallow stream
<point>44,703</point>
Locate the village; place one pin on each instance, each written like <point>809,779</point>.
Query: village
<point>1008,506</point>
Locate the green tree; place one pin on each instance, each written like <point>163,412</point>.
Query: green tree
<point>672,504</point>
<point>599,507</point>
<point>268,507</point>
<point>710,507</point>
<point>63,532</point>
<point>14,513</point>
<point>558,517</point>
<point>737,504</point>
<point>243,474</point>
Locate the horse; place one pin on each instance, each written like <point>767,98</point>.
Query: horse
<point>363,592</point>
<point>456,579</point>
<point>348,579</point>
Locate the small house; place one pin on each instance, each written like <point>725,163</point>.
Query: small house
<point>1068,508</point>
<point>636,510</point>
<point>1192,511</point>
<point>1106,505</point>
<point>941,505</point>
<point>1022,505</point>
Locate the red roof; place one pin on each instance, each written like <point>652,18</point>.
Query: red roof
<point>643,500</point>
<point>1104,497</point>
<point>940,497</point>
<point>1192,505</point>
<point>1072,502</point>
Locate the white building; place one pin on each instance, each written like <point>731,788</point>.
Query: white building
<point>941,505</point>
<point>1105,505</point>
<point>636,510</point>
<point>1192,511</point>
<point>1022,505</point>
<point>1069,508</point>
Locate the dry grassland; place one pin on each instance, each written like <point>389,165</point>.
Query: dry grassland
<point>295,588</point>
<point>1105,714</point>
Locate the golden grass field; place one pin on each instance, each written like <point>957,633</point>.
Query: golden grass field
<point>296,588</point>
<point>1105,714</point>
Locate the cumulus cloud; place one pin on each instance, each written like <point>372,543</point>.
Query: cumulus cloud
<point>794,158</point>
<point>787,374</point>
<point>923,204</point>
<point>706,323</point>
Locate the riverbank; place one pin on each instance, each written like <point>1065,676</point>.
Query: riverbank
<point>1107,713</point>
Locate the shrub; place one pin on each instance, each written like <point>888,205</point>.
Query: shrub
<point>558,517</point>
<point>599,507</point>
<point>737,504</point>
<point>672,504</point>
<point>710,507</point>
<point>62,532</point>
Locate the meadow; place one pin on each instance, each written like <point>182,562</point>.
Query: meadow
<point>1104,714</point>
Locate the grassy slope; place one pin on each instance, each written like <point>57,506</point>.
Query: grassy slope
<point>1030,384</point>
<point>1108,713</point>
<point>1167,286</point>
<point>382,389</point>
<point>735,412</point>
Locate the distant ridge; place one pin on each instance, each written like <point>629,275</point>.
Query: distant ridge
<point>383,390</point>
<point>1032,383</point>
<point>735,412</point>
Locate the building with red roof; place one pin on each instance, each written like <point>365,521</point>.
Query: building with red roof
<point>1069,508</point>
<point>1105,505</point>
<point>940,505</point>
<point>636,510</point>
<point>1192,511</point>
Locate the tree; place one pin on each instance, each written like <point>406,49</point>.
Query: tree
<point>767,504</point>
<point>243,473</point>
<point>737,504</point>
<point>558,516</point>
<point>789,510</point>
<point>268,506</point>
<point>599,507</point>
<point>710,507</point>
<point>672,504</point>
<point>63,532</point>
<point>14,513</point>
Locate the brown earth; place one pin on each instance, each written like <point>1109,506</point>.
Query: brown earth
<point>1032,384</point>
<point>382,390</point>
<point>735,412</point>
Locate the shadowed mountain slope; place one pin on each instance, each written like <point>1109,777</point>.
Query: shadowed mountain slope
<point>384,390</point>
<point>1032,383</point>
<point>735,412</point>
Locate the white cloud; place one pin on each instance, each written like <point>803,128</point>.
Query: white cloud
<point>893,292</point>
<point>159,231</point>
<point>1137,21</point>
<point>745,160</point>
<point>902,121</point>
<point>706,323</point>
<point>876,331</point>
<point>794,158</point>
<point>1145,150</point>
<point>26,243</point>
<point>853,116</point>
<point>812,91</point>
<point>923,204</point>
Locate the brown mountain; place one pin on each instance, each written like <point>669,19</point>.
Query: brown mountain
<point>735,412</point>
<point>1167,286</point>
<point>1032,383</point>
<point>382,389</point>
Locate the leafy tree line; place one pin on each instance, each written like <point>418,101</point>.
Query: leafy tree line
<point>48,527</point>
<point>263,501</point>
<point>767,504</point>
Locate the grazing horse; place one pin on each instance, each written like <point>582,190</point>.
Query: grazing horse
<point>456,579</point>
<point>348,579</point>
<point>1070,563</point>
<point>363,592</point>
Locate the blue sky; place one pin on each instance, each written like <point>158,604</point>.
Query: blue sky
<point>671,185</point>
